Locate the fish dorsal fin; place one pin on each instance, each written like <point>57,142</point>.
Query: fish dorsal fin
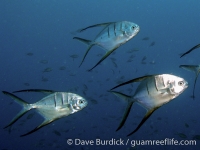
<point>133,80</point>
<point>36,90</point>
<point>197,46</point>
<point>92,26</point>
<point>147,115</point>
<point>104,57</point>
<point>195,69</point>
<point>44,123</point>
<point>128,108</point>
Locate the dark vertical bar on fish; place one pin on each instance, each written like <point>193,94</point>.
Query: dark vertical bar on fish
<point>108,32</point>
<point>155,84</point>
<point>55,100</point>
<point>114,29</point>
<point>62,99</point>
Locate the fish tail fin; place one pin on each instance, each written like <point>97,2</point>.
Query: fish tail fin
<point>85,41</point>
<point>25,107</point>
<point>128,108</point>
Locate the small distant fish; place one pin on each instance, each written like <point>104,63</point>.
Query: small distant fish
<point>145,38</point>
<point>45,79</point>
<point>56,132</point>
<point>29,54</point>
<point>152,44</point>
<point>52,107</point>
<point>159,118</point>
<point>113,35</point>
<point>74,56</point>
<point>195,69</point>
<point>30,116</point>
<point>152,92</point>
<point>43,61</point>
<point>196,137</point>
<point>93,101</point>
<point>114,63</point>
<point>193,48</point>
<point>144,58</point>
<point>132,50</point>
<point>62,68</point>
<point>181,135</point>
<point>47,70</point>
<point>186,125</point>
<point>26,84</point>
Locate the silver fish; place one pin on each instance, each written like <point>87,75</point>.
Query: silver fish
<point>113,35</point>
<point>52,107</point>
<point>153,92</point>
<point>195,69</point>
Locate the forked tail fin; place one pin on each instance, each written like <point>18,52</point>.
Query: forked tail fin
<point>25,107</point>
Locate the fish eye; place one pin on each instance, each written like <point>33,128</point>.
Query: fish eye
<point>180,83</point>
<point>133,27</point>
<point>81,101</point>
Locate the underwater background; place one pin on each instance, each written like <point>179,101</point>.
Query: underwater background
<point>38,52</point>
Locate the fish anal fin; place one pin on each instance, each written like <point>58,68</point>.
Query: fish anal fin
<point>44,123</point>
<point>147,115</point>
<point>104,57</point>
<point>128,108</point>
<point>88,49</point>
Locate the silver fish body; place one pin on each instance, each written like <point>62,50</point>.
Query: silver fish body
<point>153,92</point>
<point>52,107</point>
<point>113,35</point>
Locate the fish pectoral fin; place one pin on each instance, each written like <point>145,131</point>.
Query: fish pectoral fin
<point>104,57</point>
<point>44,123</point>
<point>133,80</point>
<point>36,90</point>
<point>25,107</point>
<point>147,115</point>
<point>128,108</point>
<point>92,26</point>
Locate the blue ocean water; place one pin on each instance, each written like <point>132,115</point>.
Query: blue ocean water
<point>37,34</point>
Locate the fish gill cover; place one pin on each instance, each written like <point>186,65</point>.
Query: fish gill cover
<point>38,52</point>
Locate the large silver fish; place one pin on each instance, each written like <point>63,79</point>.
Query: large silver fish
<point>52,107</point>
<point>195,69</point>
<point>113,35</point>
<point>153,92</point>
